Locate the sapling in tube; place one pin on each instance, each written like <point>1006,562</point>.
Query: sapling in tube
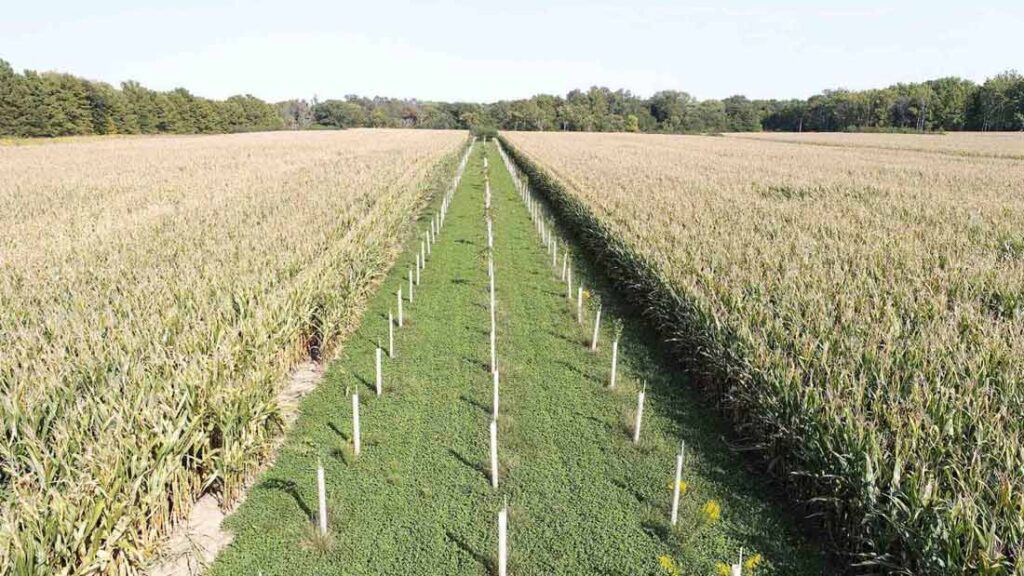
<point>639,414</point>
<point>615,352</point>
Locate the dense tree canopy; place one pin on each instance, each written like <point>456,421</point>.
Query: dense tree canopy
<point>55,104</point>
<point>943,104</point>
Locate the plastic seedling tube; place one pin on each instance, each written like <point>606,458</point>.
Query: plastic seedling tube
<point>737,569</point>
<point>615,362</point>
<point>579,305</point>
<point>676,487</point>
<point>380,370</point>
<point>597,330</point>
<point>495,401</point>
<point>391,335</point>
<point>503,541</point>
<point>321,491</point>
<point>494,453</point>
<point>639,414</point>
<point>401,320</point>
<point>356,436</point>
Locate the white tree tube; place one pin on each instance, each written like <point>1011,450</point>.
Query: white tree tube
<point>579,305</point>
<point>615,362</point>
<point>391,335</point>
<point>401,320</point>
<point>494,453</point>
<point>356,437</point>
<point>494,402</point>
<point>380,371</point>
<point>321,491</point>
<point>503,542</point>
<point>675,487</point>
<point>639,414</point>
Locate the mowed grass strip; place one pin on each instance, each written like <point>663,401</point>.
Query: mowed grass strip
<point>582,497</point>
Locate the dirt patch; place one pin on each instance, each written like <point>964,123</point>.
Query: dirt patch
<point>196,541</point>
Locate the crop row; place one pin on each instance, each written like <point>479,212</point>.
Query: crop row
<point>154,293</point>
<point>857,312</point>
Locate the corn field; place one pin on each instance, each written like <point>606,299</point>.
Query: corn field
<point>857,308</point>
<point>978,144</point>
<point>154,292</point>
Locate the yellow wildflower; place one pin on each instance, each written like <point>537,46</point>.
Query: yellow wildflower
<point>723,569</point>
<point>712,511</point>
<point>683,487</point>
<point>668,565</point>
<point>586,294</point>
<point>752,563</point>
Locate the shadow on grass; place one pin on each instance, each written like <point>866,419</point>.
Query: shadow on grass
<point>462,545</point>
<point>656,529</point>
<point>579,371</point>
<point>289,488</point>
<point>478,330</point>
<point>563,337</point>
<point>476,466</point>
<point>483,365</point>
<point>364,381</point>
<point>344,435</point>
<point>600,423</point>
<point>472,402</point>
<point>629,490</point>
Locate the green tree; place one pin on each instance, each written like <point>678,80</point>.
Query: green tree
<point>11,100</point>
<point>108,109</point>
<point>632,123</point>
<point>669,109</point>
<point>996,103</point>
<point>339,114</point>
<point>950,102</point>
<point>741,114</point>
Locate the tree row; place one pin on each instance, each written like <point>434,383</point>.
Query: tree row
<point>57,104</point>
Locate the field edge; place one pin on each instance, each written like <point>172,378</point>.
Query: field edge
<point>431,190</point>
<point>668,314</point>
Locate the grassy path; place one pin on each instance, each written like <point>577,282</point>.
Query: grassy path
<point>582,498</point>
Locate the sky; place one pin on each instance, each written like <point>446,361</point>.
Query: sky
<point>482,52</point>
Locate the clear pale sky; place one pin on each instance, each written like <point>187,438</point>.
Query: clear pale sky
<point>512,49</point>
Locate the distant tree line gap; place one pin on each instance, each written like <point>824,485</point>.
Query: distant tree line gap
<point>46,104</point>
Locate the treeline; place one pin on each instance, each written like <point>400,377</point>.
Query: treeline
<point>596,110</point>
<point>943,104</point>
<point>55,104</point>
